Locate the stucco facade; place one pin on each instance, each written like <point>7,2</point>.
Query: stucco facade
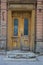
<point>38,23</point>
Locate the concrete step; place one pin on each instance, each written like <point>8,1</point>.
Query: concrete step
<point>19,55</point>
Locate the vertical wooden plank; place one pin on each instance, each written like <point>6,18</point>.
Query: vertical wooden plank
<point>10,30</point>
<point>32,30</point>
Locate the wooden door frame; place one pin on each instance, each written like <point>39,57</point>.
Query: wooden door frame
<point>32,20</point>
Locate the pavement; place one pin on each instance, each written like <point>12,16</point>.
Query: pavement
<point>9,59</point>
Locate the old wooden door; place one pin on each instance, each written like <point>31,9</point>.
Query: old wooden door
<point>21,30</point>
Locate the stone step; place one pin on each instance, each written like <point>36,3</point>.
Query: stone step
<point>22,55</point>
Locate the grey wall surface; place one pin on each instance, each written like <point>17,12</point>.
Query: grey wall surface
<point>39,47</point>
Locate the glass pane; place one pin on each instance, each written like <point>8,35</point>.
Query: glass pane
<point>15,27</point>
<point>25,26</point>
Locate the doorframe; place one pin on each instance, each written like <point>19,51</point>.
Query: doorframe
<point>32,9</point>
